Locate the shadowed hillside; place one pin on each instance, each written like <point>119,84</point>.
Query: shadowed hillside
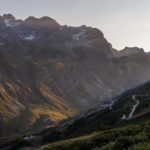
<point>109,127</point>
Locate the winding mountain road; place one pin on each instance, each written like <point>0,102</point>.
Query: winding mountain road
<point>130,116</point>
<point>134,106</point>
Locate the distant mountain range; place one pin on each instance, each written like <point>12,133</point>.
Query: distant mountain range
<point>50,73</point>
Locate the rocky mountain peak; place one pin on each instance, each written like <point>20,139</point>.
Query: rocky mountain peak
<point>45,18</point>
<point>46,22</point>
<point>8,20</point>
<point>128,51</point>
<point>133,50</point>
<point>8,16</point>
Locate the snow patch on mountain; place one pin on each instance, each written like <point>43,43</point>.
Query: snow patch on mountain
<point>78,36</point>
<point>29,37</point>
<point>10,23</point>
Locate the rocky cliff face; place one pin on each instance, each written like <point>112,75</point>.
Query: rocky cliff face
<point>50,72</point>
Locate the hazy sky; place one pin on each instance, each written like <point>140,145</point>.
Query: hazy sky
<point>123,22</point>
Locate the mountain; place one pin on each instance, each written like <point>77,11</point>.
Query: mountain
<point>124,124</point>
<point>50,73</point>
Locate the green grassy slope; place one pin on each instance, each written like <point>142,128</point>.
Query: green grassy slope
<point>131,137</point>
